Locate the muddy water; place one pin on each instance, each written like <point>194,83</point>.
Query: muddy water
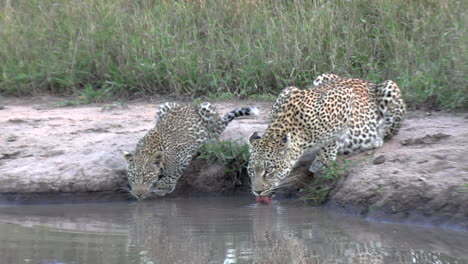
<point>213,230</point>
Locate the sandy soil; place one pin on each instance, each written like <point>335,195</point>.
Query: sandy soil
<point>420,175</point>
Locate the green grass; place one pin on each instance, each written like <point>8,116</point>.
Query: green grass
<point>317,192</point>
<point>263,97</point>
<point>232,154</point>
<point>464,188</point>
<point>87,96</point>
<point>221,96</point>
<point>241,48</point>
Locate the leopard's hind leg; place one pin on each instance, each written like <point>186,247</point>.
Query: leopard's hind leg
<point>391,109</point>
<point>164,109</point>
<point>210,119</point>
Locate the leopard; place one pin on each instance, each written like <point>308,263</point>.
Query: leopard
<point>162,155</point>
<point>338,115</point>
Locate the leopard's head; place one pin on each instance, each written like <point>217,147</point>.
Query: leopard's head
<point>271,159</point>
<point>144,173</point>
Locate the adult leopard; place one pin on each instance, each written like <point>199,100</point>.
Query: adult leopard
<point>338,115</point>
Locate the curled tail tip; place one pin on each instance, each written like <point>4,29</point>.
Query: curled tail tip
<point>254,111</point>
<point>205,104</point>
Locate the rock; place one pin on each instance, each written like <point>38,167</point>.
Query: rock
<point>439,156</point>
<point>11,155</point>
<point>53,153</point>
<point>17,121</point>
<point>11,138</point>
<point>427,139</point>
<point>96,130</point>
<point>379,160</point>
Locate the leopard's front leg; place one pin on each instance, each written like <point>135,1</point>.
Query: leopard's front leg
<point>168,182</point>
<point>165,186</point>
<point>326,154</point>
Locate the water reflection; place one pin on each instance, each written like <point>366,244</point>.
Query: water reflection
<point>214,230</point>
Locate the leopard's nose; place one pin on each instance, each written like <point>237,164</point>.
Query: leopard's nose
<point>139,190</point>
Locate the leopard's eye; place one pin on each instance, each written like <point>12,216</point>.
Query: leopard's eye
<point>269,169</point>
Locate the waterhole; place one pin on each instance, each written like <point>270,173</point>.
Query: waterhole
<point>214,230</point>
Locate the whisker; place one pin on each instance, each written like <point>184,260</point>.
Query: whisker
<point>287,182</point>
<point>125,187</point>
<point>292,179</point>
<point>305,184</point>
<point>135,196</point>
<point>130,194</point>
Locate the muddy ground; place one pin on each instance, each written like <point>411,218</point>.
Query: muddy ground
<point>421,175</point>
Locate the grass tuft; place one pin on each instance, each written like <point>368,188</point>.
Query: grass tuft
<point>232,154</point>
<point>317,192</point>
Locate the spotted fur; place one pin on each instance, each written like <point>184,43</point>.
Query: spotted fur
<point>338,115</point>
<point>166,150</point>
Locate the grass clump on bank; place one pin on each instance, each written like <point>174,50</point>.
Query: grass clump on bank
<point>317,192</point>
<point>232,154</point>
<point>238,48</point>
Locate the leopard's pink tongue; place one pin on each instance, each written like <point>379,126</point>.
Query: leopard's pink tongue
<point>263,199</point>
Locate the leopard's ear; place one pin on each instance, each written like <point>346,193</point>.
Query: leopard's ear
<point>128,157</point>
<point>253,137</point>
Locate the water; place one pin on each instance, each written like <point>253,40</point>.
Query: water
<point>213,230</point>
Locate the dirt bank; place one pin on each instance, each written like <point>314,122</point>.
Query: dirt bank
<point>422,174</point>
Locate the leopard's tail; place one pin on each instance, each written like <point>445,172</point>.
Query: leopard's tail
<point>217,124</point>
<point>244,111</point>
